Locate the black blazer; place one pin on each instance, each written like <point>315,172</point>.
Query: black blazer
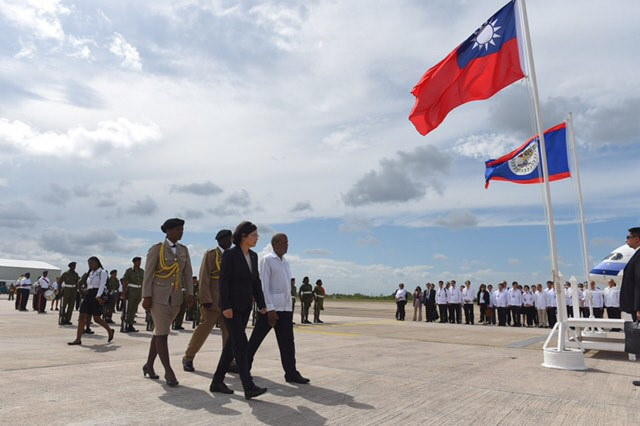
<point>630,289</point>
<point>237,283</point>
<point>430,297</point>
<point>485,297</point>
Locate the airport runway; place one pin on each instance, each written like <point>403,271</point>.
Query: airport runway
<point>365,369</point>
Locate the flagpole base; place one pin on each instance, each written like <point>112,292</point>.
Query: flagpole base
<point>568,359</point>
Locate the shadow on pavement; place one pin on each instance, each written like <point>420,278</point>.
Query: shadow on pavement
<point>198,399</point>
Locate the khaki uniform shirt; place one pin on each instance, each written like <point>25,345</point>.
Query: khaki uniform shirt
<point>167,290</point>
<point>210,277</point>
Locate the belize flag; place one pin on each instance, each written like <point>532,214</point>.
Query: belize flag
<point>482,65</point>
<point>523,164</point>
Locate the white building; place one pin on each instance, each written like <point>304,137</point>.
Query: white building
<point>11,269</point>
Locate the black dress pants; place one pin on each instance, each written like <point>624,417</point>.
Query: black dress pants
<point>502,316</point>
<point>468,313</point>
<point>598,312</point>
<point>284,336</point>
<point>551,316</point>
<point>400,312</point>
<point>23,298</point>
<point>236,347</point>
<point>443,312</point>
<point>515,314</point>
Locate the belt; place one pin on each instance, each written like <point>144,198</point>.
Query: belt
<point>318,296</point>
<point>68,286</point>
<point>306,292</point>
<point>134,286</point>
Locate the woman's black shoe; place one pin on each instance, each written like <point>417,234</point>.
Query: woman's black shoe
<point>171,382</point>
<point>220,387</point>
<point>147,372</point>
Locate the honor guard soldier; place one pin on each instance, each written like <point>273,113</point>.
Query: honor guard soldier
<point>294,293</point>
<point>209,299</point>
<point>69,280</point>
<point>306,297</point>
<point>168,269</point>
<point>132,291</point>
<point>112,290</point>
<point>318,305</point>
<point>177,322</point>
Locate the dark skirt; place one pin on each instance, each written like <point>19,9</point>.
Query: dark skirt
<point>89,304</point>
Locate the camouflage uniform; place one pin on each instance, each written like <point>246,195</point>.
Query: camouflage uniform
<point>133,279</point>
<point>306,297</point>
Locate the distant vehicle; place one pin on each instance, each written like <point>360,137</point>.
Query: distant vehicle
<point>4,289</point>
<point>612,266</point>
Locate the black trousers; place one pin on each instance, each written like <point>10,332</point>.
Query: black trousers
<point>613,312</point>
<point>584,312</point>
<point>515,314</point>
<point>551,316</point>
<point>494,314</point>
<point>432,313</point>
<point>22,299</point>
<point>443,312</point>
<point>400,312</point>
<point>529,311</point>
<point>569,311</point>
<point>235,347</point>
<point>598,312</point>
<point>455,313</point>
<point>468,313</point>
<point>536,320</point>
<point>502,316</point>
<point>284,336</point>
<point>41,301</point>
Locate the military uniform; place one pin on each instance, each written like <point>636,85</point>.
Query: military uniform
<point>293,298</point>
<point>209,290</point>
<point>318,305</point>
<point>69,281</point>
<point>306,297</point>
<point>133,281</point>
<point>112,289</point>
<point>177,323</point>
<point>166,273</point>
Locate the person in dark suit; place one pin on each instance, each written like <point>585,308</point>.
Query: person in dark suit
<point>239,284</point>
<point>430,303</point>
<point>630,289</point>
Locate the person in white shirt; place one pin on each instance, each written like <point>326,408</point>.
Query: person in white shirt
<point>502,303</point>
<point>515,304</point>
<point>441,301</point>
<point>454,298</point>
<point>24,289</point>
<point>467,299</point>
<point>596,300</point>
<point>276,286</point>
<point>541,306</point>
<point>92,303</point>
<point>568,297</point>
<point>527,301</point>
<point>401,301</point>
<point>492,304</point>
<point>612,300</point>
<point>43,285</point>
<point>551,303</point>
<point>55,285</point>
<point>582,295</point>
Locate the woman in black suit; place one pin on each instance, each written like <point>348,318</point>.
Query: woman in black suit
<point>239,285</point>
<point>484,298</point>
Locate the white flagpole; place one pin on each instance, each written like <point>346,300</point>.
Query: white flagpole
<point>585,250</point>
<point>561,307</point>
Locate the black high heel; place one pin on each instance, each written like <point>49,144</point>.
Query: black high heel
<point>146,372</point>
<point>171,383</point>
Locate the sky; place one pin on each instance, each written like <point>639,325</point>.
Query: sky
<point>294,115</point>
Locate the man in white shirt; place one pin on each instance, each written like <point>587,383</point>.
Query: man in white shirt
<point>441,301</point>
<point>492,304</point>
<point>541,306</point>
<point>276,286</point>
<point>24,289</point>
<point>568,297</point>
<point>401,301</point>
<point>551,303</point>
<point>42,284</point>
<point>515,303</point>
<point>584,311</point>
<point>501,304</point>
<point>467,299</point>
<point>596,300</point>
<point>455,308</point>
<point>612,300</point>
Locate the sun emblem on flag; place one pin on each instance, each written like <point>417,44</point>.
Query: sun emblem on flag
<point>486,34</point>
<point>526,162</point>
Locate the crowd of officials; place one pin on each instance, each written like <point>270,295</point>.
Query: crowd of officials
<point>504,305</point>
<point>231,286</point>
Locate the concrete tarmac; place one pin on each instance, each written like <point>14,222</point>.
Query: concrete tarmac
<point>365,367</point>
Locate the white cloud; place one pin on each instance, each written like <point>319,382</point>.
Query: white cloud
<point>40,17</point>
<point>282,22</point>
<point>486,146</point>
<point>78,141</point>
<point>440,256</point>
<point>513,261</point>
<point>125,51</point>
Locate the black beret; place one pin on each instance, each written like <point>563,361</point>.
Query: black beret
<point>171,223</point>
<point>136,258</point>
<point>223,233</point>
<point>71,263</point>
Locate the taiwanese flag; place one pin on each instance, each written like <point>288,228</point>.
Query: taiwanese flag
<point>523,164</point>
<point>486,62</point>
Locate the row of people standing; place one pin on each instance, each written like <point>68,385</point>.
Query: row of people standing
<point>516,306</point>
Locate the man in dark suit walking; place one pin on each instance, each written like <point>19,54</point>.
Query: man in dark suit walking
<point>630,289</point>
